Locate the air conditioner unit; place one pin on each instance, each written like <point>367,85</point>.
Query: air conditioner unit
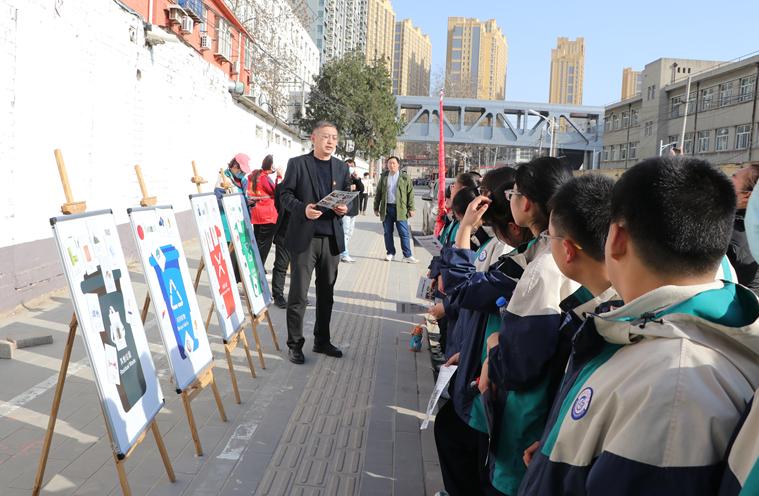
<point>205,42</point>
<point>176,13</point>
<point>235,67</point>
<point>187,24</point>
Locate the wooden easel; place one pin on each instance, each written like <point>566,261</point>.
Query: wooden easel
<point>239,336</point>
<point>206,377</point>
<point>119,459</point>
<point>196,179</point>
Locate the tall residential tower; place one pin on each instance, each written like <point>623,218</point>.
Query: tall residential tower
<point>380,31</point>
<point>567,71</point>
<point>476,61</point>
<point>412,60</point>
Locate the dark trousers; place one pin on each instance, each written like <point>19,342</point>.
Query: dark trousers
<point>463,454</point>
<point>364,201</point>
<point>323,258</point>
<point>264,237</point>
<point>281,262</point>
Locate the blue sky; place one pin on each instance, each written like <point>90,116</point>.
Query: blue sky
<point>615,36</point>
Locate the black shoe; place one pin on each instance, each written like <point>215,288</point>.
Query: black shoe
<point>295,355</point>
<point>280,301</point>
<point>308,303</point>
<point>328,349</point>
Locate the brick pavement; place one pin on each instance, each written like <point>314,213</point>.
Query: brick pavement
<point>347,426</point>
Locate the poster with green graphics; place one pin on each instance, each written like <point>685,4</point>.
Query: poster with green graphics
<point>109,323</point>
<point>249,260</point>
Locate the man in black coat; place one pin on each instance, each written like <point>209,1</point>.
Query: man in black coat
<point>314,237</point>
<point>746,268</point>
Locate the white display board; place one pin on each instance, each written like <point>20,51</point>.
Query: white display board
<point>109,319</point>
<point>170,284</point>
<point>248,258</point>
<point>213,245</point>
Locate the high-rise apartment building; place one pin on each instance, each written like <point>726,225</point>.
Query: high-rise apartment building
<point>631,83</point>
<point>567,70</point>
<point>339,26</point>
<point>380,31</point>
<point>412,60</point>
<point>476,61</point>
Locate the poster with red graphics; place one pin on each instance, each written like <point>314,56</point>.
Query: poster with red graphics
<point>218,263</point>
<point>175,305</point>
<point>109,323</point>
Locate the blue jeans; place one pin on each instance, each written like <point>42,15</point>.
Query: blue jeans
<point>391,219</point>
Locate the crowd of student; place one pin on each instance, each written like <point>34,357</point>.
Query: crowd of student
<point>603,344</point>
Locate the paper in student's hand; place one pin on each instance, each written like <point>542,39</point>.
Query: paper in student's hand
<point>430,243</point>
<point>443,378</point>
<point>336,198</point>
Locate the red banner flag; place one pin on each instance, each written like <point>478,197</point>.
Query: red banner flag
<point>441,173</point>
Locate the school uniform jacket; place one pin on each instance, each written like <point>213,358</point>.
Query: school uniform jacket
<point>742,474</point>
<point>651,395</point>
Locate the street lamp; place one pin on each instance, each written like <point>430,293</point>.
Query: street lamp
<point>662,146</point>
<point>551,124</point>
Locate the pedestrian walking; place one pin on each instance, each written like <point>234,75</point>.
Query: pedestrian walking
<point>263,214</point>
<point>314,237</point>
<point>368,191</point>
<point>349,220</point>
<point>394,204</point>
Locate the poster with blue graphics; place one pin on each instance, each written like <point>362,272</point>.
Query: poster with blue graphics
<point>109,322</point>
<point>218,263</point>
<point>169,282</point>
<point>249,260</point>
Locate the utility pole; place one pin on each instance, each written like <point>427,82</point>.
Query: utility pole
<point>685,116</point>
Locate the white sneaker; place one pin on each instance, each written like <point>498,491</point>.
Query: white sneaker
<point>347,259</point>
<point>410,260</point>
<point>388,258</point>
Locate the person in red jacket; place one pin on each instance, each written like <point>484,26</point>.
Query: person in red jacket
<point>263,214</point>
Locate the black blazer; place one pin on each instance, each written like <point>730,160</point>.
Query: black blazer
<point>299,188</point>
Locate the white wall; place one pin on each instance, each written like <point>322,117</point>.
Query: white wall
<point>69,80</point>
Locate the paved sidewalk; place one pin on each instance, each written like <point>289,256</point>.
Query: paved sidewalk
<point>330,427</point>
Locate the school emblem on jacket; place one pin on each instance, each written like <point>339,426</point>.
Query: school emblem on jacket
<point>483,255</point>
<point>582,403</point>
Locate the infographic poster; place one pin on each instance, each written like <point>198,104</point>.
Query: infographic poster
<point>251,267</point>
<point>213,245</point>
<point>170,285</point>
<point>109,320</point>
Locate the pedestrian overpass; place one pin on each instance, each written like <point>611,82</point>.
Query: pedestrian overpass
<point>575,128</point>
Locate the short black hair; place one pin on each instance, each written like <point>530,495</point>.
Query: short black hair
<point>678,211</point>
<point>495,177</point>
<point>462,200</point>
<point>366,174</point>
<point>498,215</point>
<point>539,179</point>
<point>267,162</point>
<point>350,161</point>
<point>468,180</point>
<point>581,211</point>
<point>323,123</point>
<point>393,157</point>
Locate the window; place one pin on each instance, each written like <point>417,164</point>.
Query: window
<point>632,150</point>
<point>615,122</point>
<point>455,42</point>
<point>606,153</point>
<point>649,129</point>
<point>613,153</point>
<point>625,119</point>
<point>259,132</point>
<point>725,93</point>
<point>720,142</point>
<point>672,139</point>
<point>674,106</point>
<point>746,88</point>
<point>688,144</point>
<point>607,123</point>
<point>707,98</point>
<point>634,117</point>
<point>742,136</point>
<point>224,39</point>
<point>703,141</point>
<point>623,151</point>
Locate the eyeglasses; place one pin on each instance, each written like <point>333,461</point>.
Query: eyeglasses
<point>328,136</point>
<point>546,236</point>
<point>509,193</point>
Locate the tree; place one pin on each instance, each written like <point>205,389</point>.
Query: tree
<point>358,98</point>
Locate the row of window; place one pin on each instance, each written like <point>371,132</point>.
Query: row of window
<point>625,151</point>
<point>732,92</point>
<point>722,141</point>
<point>621,121</point>
<point>270,136</point>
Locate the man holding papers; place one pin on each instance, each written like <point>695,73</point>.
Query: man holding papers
<point>315,237</point>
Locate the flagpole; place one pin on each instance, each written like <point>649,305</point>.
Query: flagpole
<point>441,172</point>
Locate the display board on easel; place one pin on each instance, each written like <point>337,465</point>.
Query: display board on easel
<point>249,260</point>
<point>170,284</point>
